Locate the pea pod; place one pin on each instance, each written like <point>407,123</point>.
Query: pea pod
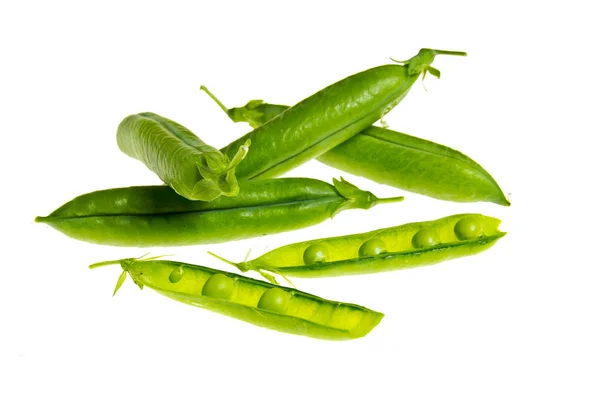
<point>250,300</point>
<point>395,159</point>
<point>400,247</point>
<point>156,216</point>
<point>329,117</point>
<point>192,168</point>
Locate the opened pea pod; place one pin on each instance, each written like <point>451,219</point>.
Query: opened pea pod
<point>192,168</point>
<point>394,158</point>
<point>400,247</point>
<point>250,300</point>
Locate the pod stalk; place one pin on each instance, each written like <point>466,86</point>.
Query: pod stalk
<point>449,52</point>
<point>105,263</point>
<point>245,267</point>
<point>216,100</point>
<point>421,63</point>
<point>237,265</point>
<point>389,200</point>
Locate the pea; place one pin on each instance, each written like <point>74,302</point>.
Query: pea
<point>218,286</point>
<point>468,228</point>
<point>426,237</point>
<point>315,253</point>
<point>176,275</point>
<point>274,299</point>
<point>372,247</point>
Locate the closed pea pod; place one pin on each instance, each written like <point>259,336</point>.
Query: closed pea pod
<point>156,216</point>
<point>396,159</point>
<point>329,117</point>
<point>250,300</point>
<point>192,168</point>
<point>400,247</point>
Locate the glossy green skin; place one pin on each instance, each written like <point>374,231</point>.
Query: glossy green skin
<point>400,252</point>
<point>322,121</point>
<point>192,168</point>
<point>304,313</point>
<point>156,216</point>
<point>398,160</point>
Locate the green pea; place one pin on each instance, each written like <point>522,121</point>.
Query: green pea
<point>218,286</point>
<point>425,238</point>
<point>275,300</point>
<point>372,247</point>
<point>468,228</point>
<point>314,254</point>
<point>176,275</point>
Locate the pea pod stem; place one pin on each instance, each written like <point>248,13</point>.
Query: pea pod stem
<point>244,268</point>
<point>240,266</point>
<point>104,263</point>
<point>145,257</point>
<point>215,99</point>
<point>449,52</point>
<point>421,63</point>
<point>388,200</point>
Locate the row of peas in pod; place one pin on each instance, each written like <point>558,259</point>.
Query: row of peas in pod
<point>215,196</point>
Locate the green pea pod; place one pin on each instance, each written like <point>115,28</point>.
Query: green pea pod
<point>329,117</point>
<point>157,216</point>
<point>250,300</point>
<point>192,168</point>
<point>394,159</point>
<point>400,247</point>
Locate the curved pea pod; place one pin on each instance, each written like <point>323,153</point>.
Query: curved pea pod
<point>250,300</point>
<point>395,159</point>
<point>400,247</point>
<point>416,165</point>
<point>329,117</point>
<point>157,216</point>
<point>192,168</point>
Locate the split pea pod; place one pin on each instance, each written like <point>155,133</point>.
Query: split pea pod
<point>157,216</point>
<point>400,247</point>
<point>250,300</point>
<point>329,117</point>
<point>192,168</point>
<point>395,159</point>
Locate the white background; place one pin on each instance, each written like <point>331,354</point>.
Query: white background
<point>520,321</point>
